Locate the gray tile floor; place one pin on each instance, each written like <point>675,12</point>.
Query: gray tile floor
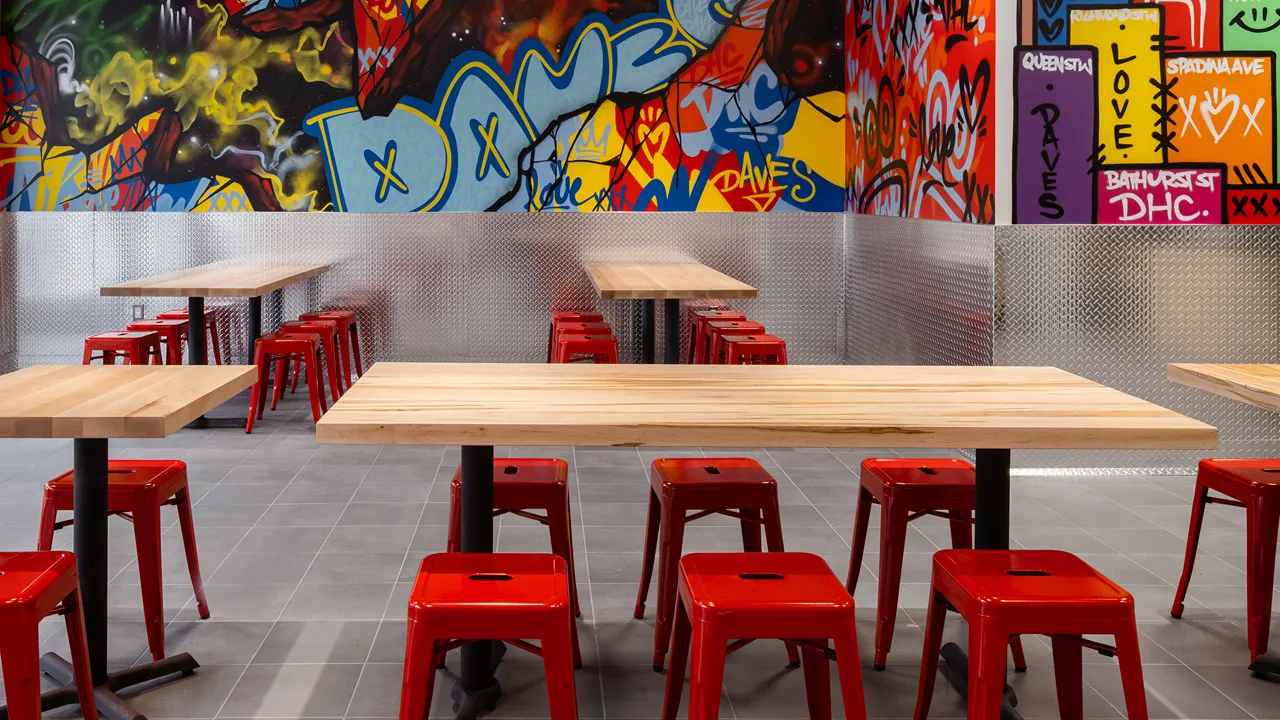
<point>308,553</point>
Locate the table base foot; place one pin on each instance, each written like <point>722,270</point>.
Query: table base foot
<point>203,423</point>
<point>473,703</point>
<point>955,668</point>
<point>1266,667</point>
<point>110,705</point>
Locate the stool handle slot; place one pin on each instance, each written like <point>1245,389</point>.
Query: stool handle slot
<point>1271,470</point>
<point>510,470</point>
<point>928,470</point>
<point>712,470</point>
<point>501,577</point>
<point>760,576</point>
<point>1028,573</point>
<point>121,472</point>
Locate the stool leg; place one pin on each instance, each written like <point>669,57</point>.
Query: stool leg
<point>559,657</point>
<point>188,527</point>
<point>651,527</point>
<point>48,521</point>
<point>146,535</point>
<point>860,526</point>
<point>937,617</point>
<point>331,362</point>
<point>706,679</point>
<point>681,636</point>
<point>750,530</point>
<point>772,520</point>
<point>847,663</point>
<point>258,393</point>
<point>1193,544</point>
<point>1019,657</point>
<point>961,529</point>
<point>20,663</point>
<point>817,680</point>
<point>344,347</point>
<point>78,644</point>
<point>88,355</point>
<point>216,344</point>
<point>355,348</point>
<point>1068,673</point>
<point>670,548</point>
<point>297,372</point>
<point>315,385</point>
<point>419,673</point>
<point>987,649</point>
<point>893,540</point>
<point>561,531</point>
<point>1261,525</point>
<point>282,377</point>
<point>1135,690</point>
<point>454,543</point>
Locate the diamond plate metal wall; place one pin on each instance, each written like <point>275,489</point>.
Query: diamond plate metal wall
<point>1115,304</point>
<point>448,286</point>
<point>918,292</point>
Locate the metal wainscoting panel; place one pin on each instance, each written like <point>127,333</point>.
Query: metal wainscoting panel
<point>448,286</point>
<point>918,292</point>
<point>1115,304</point>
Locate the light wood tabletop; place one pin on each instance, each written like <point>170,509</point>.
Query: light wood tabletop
<point>625,281</point>
<point>749,406</point>
<point>217,280</point>
<point>1257,385</point>
<point>113,401</point>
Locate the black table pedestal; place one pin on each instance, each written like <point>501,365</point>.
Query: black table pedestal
<point>1266,667</point>
<point>671,331</point>
<point>647,332</point>
<point>477,691</point>
<point>196,340</point>
<point>90,545</point>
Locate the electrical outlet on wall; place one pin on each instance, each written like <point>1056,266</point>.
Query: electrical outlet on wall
<point>139,312</point>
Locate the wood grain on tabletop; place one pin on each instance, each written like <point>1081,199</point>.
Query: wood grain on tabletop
<point>748,406</point>
<point>217,280</point>
<point>113,401</point>
<point>622,281</point>
<point>1257,385</point>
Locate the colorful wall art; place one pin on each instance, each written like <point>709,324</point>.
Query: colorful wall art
<point>921,108</point>
<point>1146,112</point>
<point>415,105</point>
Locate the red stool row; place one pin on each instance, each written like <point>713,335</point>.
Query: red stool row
<point>131,348</point>
<point>172,332</point>
<point>214,317</point>
<point>581,336</point>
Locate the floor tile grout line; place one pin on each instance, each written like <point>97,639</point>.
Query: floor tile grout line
<point>586,561</point>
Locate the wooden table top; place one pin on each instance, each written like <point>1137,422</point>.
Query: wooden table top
<point>217,280</point>
<point>113,401</point>
<point>748,406</point>
<point>626,281</point>
<point>1257,385</point>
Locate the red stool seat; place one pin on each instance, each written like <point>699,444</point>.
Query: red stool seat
<point>137,489</point>
<point>34,585</point>
<point>717,329</point>
<point>513,597</point>
<point>213,317</point>
<point>278,349</point>
<point>134,348</point>
<point>1047,592</point>
<point>746,596</point>
<point>584,348</point>
<point>348,338</point>
<point>568,316</point>
<point>752,350</point>
<point>698,330</point>
<point>328,332</point>
<point>173,332</point>
<point>1253,484</point>
<point>737,487</point>
<point>906,489</point>
<point>521,485</point>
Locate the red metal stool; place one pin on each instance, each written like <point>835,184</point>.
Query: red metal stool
<point>172,332</point>
<point>907,489</point>
<point>745,596</point>
<point>737,487</point>
<point>752,350</point>
<point>1255,486</point>
<point>34,585</point>
<point>134,348</point>
<point>278,349</point>
<point>328,332</point>
<point>583,328</point>
<point>568,316</point>
<point>717,329</point>
<point>348,337</point>
<point>136,490</point>
<point>1002,593</point>
<point>212,318</point>
<point>521,485</point>
<point>460,597</point>
<point>698,330</point>
<point>583,348</point>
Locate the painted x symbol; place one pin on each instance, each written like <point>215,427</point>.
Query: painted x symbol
<point>485,135</point>
<point>385,167</point>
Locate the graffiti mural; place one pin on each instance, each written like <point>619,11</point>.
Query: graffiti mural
<point>418,105</point>
<point>921,108</point>
<point>1146,112</point>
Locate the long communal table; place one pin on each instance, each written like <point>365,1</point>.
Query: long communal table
<point>224,280</point>
<point>93,404</point>
<point>670,282</point>
<point>990,409</point>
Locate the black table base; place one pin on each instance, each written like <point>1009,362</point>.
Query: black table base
<point>109,704</point>
<point>1266,667</point>
<point>671,331</point>
<point>647,333</point>
<point>196,343</point>
<point>477,691</point>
